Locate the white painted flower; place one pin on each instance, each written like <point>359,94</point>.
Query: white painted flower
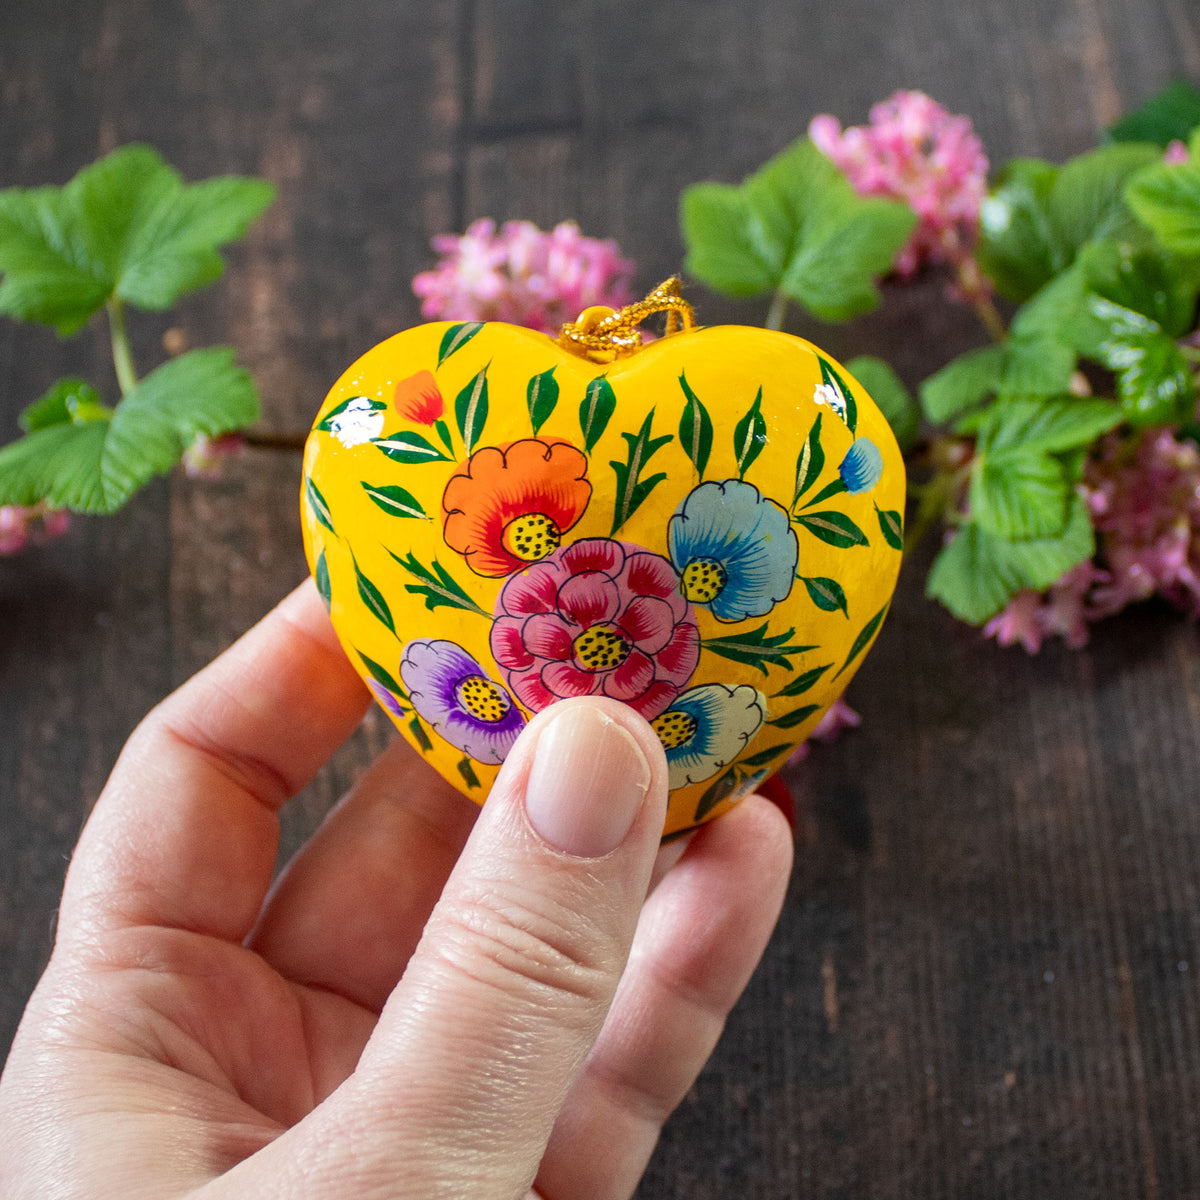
<point>360,421</point>
<point>706,728</point>
<point>830,395</point>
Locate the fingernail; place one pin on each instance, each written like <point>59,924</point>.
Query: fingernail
<point>587,783</point>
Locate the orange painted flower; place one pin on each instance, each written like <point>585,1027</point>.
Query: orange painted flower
<point>418,399</point>
<point>508,506</point>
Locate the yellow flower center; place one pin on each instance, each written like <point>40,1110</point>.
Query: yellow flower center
<point>483,699</point>
<point>531,536</point>
<point>601,648</point>
<point>703,579</point>
<point>674,728</point>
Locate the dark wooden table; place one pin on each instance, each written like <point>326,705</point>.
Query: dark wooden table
<point>985,980</point>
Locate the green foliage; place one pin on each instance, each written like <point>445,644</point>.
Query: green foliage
<point>632,490</point>
<point>1166,199</point>
<point>796,227</point>
<point>1169,115</point>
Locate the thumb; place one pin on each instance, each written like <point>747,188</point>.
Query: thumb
<point>476,1048</point>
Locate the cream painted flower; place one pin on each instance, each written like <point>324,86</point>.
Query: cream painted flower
<point>829,395</point>
<point>358,421</point>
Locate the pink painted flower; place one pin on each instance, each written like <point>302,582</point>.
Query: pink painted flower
<point>598,617</point>
<point>24,526</point>
<point>523,275</point>
<point>915,151</point>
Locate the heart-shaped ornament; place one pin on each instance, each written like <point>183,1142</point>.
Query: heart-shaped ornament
<point>707,527</point>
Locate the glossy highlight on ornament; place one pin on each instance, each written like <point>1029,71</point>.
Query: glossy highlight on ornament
<point>706,528</point>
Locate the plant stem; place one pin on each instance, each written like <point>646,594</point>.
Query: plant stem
<point>993,322</point>
<point>778,310</point>
<point>122,354</point>
<point>275,441</point>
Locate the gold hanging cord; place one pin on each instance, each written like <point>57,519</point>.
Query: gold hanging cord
<point>603,335</point>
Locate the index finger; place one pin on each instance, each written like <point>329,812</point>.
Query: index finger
<point>184,834</point>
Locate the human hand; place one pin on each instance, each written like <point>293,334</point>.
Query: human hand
<point>425,1004</point>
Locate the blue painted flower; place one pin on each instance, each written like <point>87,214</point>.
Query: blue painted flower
<point>734,549</point>
<point>451,691</point>
<point>862,468</point>
<point>706,728</point>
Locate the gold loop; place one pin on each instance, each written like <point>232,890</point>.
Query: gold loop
<point>603,338</point>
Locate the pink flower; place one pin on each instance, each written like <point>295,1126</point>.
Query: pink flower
<point>1175,153</point>
<point>22,527</point>
<point>1064,610</point>
<point>598,617</point>
<point>838,716</point>
<point>522,275</point>
<point>915,151</point>
<point>204,458</point>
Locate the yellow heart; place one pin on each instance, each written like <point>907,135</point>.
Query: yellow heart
<point>708,529</point>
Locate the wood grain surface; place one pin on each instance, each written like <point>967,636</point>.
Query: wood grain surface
<point>986,981</point>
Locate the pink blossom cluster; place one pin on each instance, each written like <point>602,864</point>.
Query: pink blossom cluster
<point>916,151</point>
<point>1063,611</point>
<point>523,275</point>
<point>21,526</point>
<point>206,455</point>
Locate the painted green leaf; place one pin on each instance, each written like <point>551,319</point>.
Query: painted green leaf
<point>541,397</point>
<point>891,525</point>
<point>832,527</point>
<point>383,676</point>
<point>443,432</point>
<point>722,789</point>
<point>832,378</point>
<point>456,337</point>
<point>803,683</point>
<point>763,757</point>
<point>419,734</point>
<point>599,402</point>
<point>835,487</point>
<point>695,428</point>
<point>632,491</point>
<point>321,575</point>
<point>810,462</point>
<point>471,410</point>
<point>795,717</point>
<point>868,631</point>
<point>395,501</point>
<point>468,772</point>
<point>749,436</point>
<point>317,503</point>
<point>409,448</point>
<point>437,585</point>
<point>372,597</point>
<point>826,594</point>
<point>327,421</point>
<point>756,648</point>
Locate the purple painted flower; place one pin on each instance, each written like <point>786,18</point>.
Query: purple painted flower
<point>387,698</point>
<point>454,695</point>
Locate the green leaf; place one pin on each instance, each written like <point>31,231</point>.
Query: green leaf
<point>630,492</point>
<point>1036,365</point>
<point>1167,116</point>
<point>825,593</point>
<point>831,378</point>
<point>321,575</point>
<point>443,432</point>
<point>756,648</point>
<point>395,501</point>
<point>891,525</point>
<point>795,717</point>
<point>456,337</point>
<point>796,224</point>
<point>892,398</point>
<point>1020,495</point>
<point>318,504</point>
<point>1166,199</point>
<point>382,676</point>
<point>868,631</point>
<point>832,527</point>
<point>67,401</point>
<point>1045,425</point>
<point>1087,202</point>
<point>468,772</point>
<point>596,409</point>
<point>977,573</point>
<point>372,597</point>
<point>801,684</point>
<point>541,397</point>
<point>763,757</point>
<point>722,789</point>
<point>962,383</point>
<point>471,410</point>
<point>125,226</point>
<point>437,586</point>
<point>695,428</point>
<point>810,462</point>
<point>94,464</point>
<point>419,735</point>
<point>835,487</point>
<point>409,448</point>
<point>1145,280</point>
<point>749,436</point>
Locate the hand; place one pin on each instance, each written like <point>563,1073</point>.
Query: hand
<point>425,1004</point>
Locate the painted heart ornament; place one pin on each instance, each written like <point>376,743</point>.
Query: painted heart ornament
<point>706,527</point>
